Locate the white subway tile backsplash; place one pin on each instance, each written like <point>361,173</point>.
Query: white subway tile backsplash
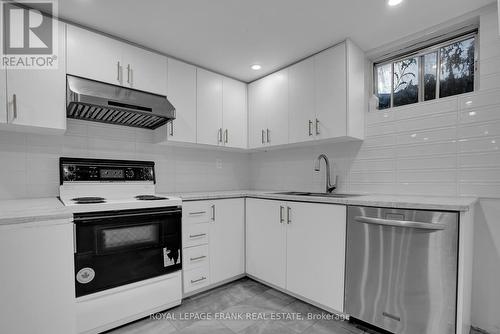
<point>425,163</point>
<point>426,108</point>
<point>479,130</point>
<point>374,165</point>
<point>427,176</point>
<point>480,99</point>
<point>479,175</point>
<point>490,144</point>
<point>372,177</point>
<point>479,160</point>
<point>490,113</point>
<point>428,122</point>
<point>444,148</point>
<point>480,189</point>
<point>427,136</point>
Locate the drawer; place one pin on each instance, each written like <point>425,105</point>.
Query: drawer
<point>195,235</point>
<point>196,212</point>
<point>194,257</point>
<point>196,278</point>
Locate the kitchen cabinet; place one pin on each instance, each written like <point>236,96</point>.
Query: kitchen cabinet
<point>213,242</point>
<point>301,106</point>
<point>221,111</point>
<point>181,91</point>
<point>95,56</point>
<point>209,108</point>
<point>315,252</point>
<point>227,239</point>
<point>37,283</point>
<point>268,110</point>
<point>320,98</point>
<point>36,99</point>
<point>299,247</point>
<point>265,241</point>
<point>234,113</point>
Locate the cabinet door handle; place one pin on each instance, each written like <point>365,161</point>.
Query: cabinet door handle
<point>197,213</point>
<point>197,235</point>
<point>226,136</point>
<point>198,280</point>
<point>171,128</point>
<point>197,258</point>
<point>263,135</point>
<point>14,105</point>
<point>268,133</point>
<point>288,215</point>
<point>219,135</point>
<point>213,212</point>
<point>118,71</point>
<point>74,238</point>
<point>282,219</point>
<point>317,126</point>
<point>310,128</point>
<point>128,73</point>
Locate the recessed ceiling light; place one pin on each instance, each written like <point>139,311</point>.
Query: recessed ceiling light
<point>394,2</point>
<point>255,67</point>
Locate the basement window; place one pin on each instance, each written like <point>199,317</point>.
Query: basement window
<point>442,70</point>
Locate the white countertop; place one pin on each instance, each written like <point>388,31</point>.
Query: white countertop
<point>32,210</point>
<point>388,201</point>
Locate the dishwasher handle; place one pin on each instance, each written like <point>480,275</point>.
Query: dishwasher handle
<point>401,223</point>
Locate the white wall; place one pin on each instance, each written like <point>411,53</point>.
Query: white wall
<point>444,147</point>
<point>30,165</point>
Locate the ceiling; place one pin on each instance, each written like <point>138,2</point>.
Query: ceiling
<point>228,36</point>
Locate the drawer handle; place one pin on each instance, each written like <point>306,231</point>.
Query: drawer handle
<point>197,213</point>
<point>197,235</point>
<point>198,280</point>
<point>197,258</point>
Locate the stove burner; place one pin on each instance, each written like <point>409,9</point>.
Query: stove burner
<point>149,198</point>
<point>88,200</point>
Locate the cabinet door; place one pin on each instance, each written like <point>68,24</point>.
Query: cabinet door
<point>301,101</point>
<point>3,97</point>
<point>37,98</point>
<point>277,110</point>
<point>209,107</point>
<point>265,243</point>
<point>227,239</point>
<point>144,70</point>
<point>258,98</point>
<point>331,92</point>
<point>234,116</point>
<point>48,298</point>
<point>181,92</point>
<point>94,56</point>
<point>316,252</point>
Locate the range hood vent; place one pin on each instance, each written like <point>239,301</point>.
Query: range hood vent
<point>100,102</point>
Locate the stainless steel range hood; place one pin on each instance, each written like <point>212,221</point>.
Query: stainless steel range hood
<point>100,102</point>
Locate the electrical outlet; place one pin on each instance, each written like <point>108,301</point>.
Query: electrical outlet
<point>218,163</point>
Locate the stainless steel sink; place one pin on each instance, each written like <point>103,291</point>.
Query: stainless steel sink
<point>301,193</point>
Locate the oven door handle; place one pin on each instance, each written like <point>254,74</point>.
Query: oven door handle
<point>401,223</point>
<point>80,219</point>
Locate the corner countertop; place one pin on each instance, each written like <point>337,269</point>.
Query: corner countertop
<point>387,201</point>
<point>33,210</point>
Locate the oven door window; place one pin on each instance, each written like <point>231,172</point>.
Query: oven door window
<point>122,238</point>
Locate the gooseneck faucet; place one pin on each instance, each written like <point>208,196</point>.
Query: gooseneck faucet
<point>329,187</point>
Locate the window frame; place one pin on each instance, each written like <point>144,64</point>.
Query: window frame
<point>420,53</point>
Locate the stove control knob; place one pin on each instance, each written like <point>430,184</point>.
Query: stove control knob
<point>129,173</point>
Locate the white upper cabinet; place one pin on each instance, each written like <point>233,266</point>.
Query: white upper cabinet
<point>94,56</point>
<point>268,110</point>
<point>319,98</point>
<point>144,70</point>
<point>234,107</point>
<point>181,92</point>
<point>36,99</point>
<point>301,101</point>
<point>209,108</point>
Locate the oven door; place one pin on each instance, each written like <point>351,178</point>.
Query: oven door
<point>117,248</point>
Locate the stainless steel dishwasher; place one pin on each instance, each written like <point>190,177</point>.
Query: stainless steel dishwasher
<point>401,269</point>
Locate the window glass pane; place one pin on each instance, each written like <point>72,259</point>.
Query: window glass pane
<point>384,74</point>
<point>457,68</point>
<point>430,75</point>
<point>406,82</point>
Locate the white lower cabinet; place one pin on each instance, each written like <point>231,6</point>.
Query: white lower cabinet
<point>213,242</point>
<point>37,286</point>
<point>299,247</point>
